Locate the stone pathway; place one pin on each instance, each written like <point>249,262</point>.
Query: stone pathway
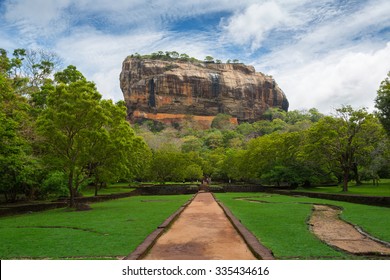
<point>327,226</point>
<point>202,232</point>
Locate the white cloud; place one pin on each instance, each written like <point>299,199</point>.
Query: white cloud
<point>37,12</point>
<point>347,78</point>
<point>322,53</point>
<point>337,59</point>
<point>41,17</point>
<point>99,56</point>
<point>254,23</point>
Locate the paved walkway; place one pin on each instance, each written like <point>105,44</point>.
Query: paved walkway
<point>202,232</point>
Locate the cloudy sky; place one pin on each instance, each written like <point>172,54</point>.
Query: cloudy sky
<point>322,53</point>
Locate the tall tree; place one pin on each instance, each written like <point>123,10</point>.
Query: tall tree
<point>72,117</point>
<point>343,139</point>
<point>116,153</point>
<point>16,159</point>
<point>86,137</point>
<point>382,103</point>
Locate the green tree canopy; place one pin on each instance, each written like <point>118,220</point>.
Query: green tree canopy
<point>382,103</point>
<point>86,137</point>
<point>344,139</point>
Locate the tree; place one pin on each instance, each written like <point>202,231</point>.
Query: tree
<point>191,144</point>
<point>174,54</point>
<point>72,118</point>
<point>382,103</point>
<point>168,165</point>
<point>234,164</point>
<point>116,153</point>
<point>274,158</point>
<point>29,69</point>
<point>184,57</point>
<point>17,162</point>
<point>70,75</point>
<point>87,138</point>
<point>275,113</point>
<point>209,58</point>
<point>213,163</point>
<point>39,65</point>
<point>214,139</point>
<point>193,172</point>
<point>344,140</point>
<point>222,122</point>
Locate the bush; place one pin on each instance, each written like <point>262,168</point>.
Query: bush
<point>55,184</point>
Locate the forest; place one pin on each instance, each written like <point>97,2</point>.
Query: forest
<point>58,135</point>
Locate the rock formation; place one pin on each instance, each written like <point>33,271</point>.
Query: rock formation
<point>172,90</point>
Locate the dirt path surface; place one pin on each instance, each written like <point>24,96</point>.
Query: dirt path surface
<point>326,225</point>
<point>202,232</point>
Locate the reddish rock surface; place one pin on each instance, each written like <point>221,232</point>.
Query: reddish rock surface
<point>170,90</point>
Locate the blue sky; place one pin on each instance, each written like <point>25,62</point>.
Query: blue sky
<point>323,53</point>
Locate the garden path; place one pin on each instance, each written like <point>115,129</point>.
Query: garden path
<point>202,232</point>
<point>326,225</point>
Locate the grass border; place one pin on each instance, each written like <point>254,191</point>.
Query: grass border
<point>151,239</point>
<point>257,248</point>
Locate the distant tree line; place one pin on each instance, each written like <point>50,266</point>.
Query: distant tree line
<point>296,148</point>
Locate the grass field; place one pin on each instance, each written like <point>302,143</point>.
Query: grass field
<point>367,188</point>
<point>281,223</point>
<point>110,189</point>
<point>114,228</point>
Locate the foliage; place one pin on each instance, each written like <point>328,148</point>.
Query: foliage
<point>18,166</point>
<point>167,56</point>
<point>222,122</point>
<point>169,164</point>
<point>345,141</point>
<point>288,148</point>
<point>382,103</point>
<point>191,143</point>
<point>209,58</point>
<point>175,56</point>
<point>277,159</point>
<point>55,183</point>
<point>193,172</point>
<point>86,137</point>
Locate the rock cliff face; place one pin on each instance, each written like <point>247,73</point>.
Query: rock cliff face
<point>170,90</point>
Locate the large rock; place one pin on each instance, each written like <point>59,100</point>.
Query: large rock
<point>171,90</point>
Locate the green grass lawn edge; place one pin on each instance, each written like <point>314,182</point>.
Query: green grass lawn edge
<point>280,222</point>
<point>111,230</point>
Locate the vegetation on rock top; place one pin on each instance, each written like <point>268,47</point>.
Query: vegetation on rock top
<point>174,55</point>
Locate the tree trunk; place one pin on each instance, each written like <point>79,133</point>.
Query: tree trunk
<point>72,203</point>
<point>345,180</point>
<point>356,173</point>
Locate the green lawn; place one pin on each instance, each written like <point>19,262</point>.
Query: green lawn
<point>110,189</point>
<point>383,189</point>
<point>113,228</point>
<point>281,223</point>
